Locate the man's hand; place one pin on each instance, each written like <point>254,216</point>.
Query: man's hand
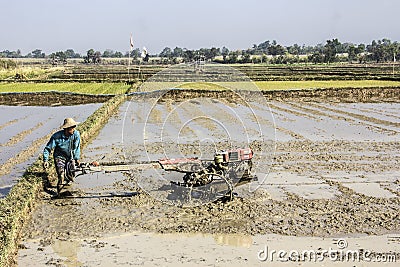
<point>95,163</point>
<point>46,165</point>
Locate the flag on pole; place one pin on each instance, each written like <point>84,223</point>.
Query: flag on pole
<point>131,42</point>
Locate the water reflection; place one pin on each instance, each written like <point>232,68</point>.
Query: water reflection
<point>68,249</point>
<point>235,240</point>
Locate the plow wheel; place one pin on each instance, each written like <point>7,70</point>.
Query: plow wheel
<point>215,187</point>
<point>219,187</point>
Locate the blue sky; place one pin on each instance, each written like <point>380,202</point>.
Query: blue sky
<point>55,25</point>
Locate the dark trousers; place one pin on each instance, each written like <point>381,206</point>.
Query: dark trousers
<point>60,167</point>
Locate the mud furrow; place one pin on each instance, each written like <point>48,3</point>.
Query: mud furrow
<point>359,156</point>
<point>281,116</point>
<point>174,119</point>
<point>360,117</point>
<point>23,155</point>
<point>324,157</point>
<point>8,123</point>
<point>294,112</point>
<point>291,133</point>
<point>389,110</point>
<point>195,111</point>
<point>305,167</point>
<point>172,112</point>
<point>155,116</point>
<point>20,136</point>
<point>337,146</point>
<point>379,112</point>
<point>314,111</point>
<point>221,114</point>
<point>337,117</point>
<point>371,126</point>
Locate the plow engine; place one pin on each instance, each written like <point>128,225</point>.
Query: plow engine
<point>211,179</point>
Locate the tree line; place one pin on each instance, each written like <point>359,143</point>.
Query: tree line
<point>332,51</point>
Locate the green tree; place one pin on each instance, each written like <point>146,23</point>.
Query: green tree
<point>352,51</point>
<point>188,55</point>
<point>213,52</point>
<point>118,54</point>
<point>135,53</point>
<point>376,51</point>
<point>167,52</point>
<point>316,57</point>
<point>37,53</point>
<point>294,49</point>
<point>224,53</point>
<point>108,53</point>
<point>330,50</point>
<point>97,57</point>
<point>178,52</point>
<point>276,49</point>
<point>233,56</point>
<point>263,47</point>
<point>58,58</point>
<point>89,56</point>
<point>92,57</point>
<point>246,56</point>
<point>70,53</point>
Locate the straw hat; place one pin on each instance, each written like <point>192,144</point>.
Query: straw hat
<point>69,122</point>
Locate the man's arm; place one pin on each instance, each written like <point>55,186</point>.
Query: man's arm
<point>47,149</point>
<point>77,146</point>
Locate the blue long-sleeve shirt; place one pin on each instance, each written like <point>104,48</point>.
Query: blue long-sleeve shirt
<point>63,145</point>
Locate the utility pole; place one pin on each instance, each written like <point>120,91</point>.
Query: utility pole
<point>394,61</point>
<point>129,57</point>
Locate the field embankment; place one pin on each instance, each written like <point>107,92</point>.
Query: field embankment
<point>58,94</point>
<point>256,72</point>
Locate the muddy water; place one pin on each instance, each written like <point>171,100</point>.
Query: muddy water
<point>334,173</point>
<point>203,250</point>
<point>21,130</point>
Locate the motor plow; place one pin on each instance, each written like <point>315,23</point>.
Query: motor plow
<point>203,179</point>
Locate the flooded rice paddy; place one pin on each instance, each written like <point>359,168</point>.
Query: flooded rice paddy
<point>24,130</point>
<point>326,169</point>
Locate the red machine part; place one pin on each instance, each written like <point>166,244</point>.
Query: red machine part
<point>237,154</point>
<point>187,164</point>
<point>180,164</point>
<point>178,160</point>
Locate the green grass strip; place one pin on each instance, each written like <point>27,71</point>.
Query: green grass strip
<point>83,88</point>
<point>278,85</point>
<point>288,85</point>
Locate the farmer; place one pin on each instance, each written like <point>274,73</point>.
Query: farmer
<point>66,145</point>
